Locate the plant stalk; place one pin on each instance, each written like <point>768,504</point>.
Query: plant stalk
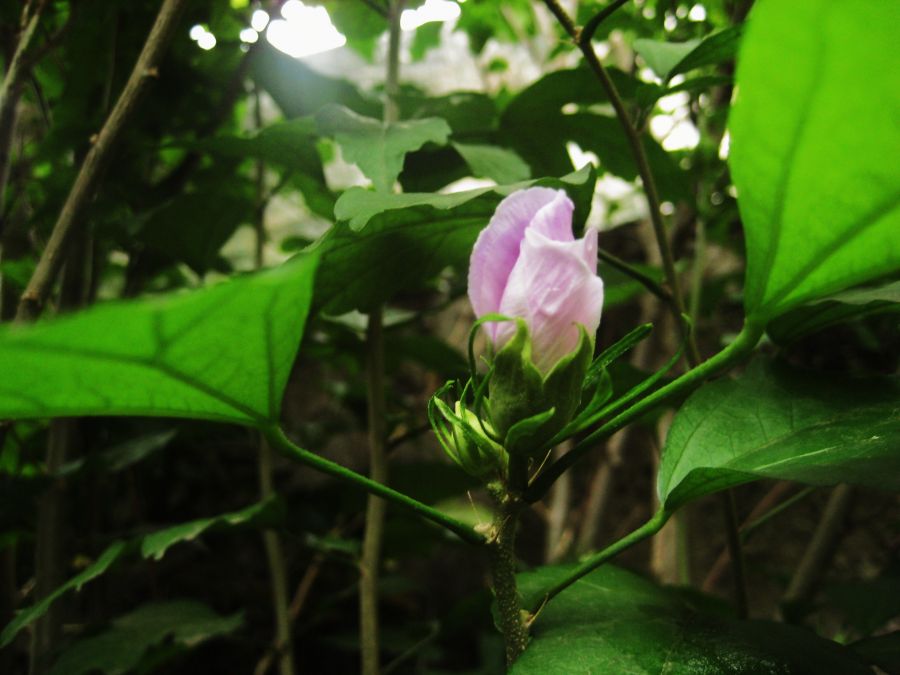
<point>98,157</point>
<point>284,644</point>
<point>645,531</point>
<point>370,560</point>
<point>502,562</point>
<point>11,92</point>
<point>281,442</point>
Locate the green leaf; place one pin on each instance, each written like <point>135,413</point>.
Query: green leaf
<point>499,164</point>
<point>810,150</point>
<point>124,645</point>
<point>379,149</point>
<point>386,243</point>
<point>613,621</point>
<point>155,544</point>
<point>221,353</point>
<point>560,108</point>
<point>193,227</point>
<point>834,309</point>
<point>778,422</point>
<point>716,48</point>
<point>113,553</point>
<point>299,90</point>
<point>152,545</point>
<point>662,57</point>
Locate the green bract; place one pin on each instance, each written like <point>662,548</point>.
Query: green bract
<point>526,408</point>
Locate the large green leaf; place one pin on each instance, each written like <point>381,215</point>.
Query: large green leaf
<point>153,545</point>
<point>124,645</point>
<point>377,148</point>
<point>812,144</point>
<point>778,422</point>
<point>613,621</point>
<point>384,243</point>
<point>221,353</point>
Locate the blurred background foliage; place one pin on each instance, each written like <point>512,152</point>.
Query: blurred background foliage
<point>229,164</point>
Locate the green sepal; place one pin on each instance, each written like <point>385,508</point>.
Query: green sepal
<point>519,437</point>
<point>518,391</point>
<point>466,438</point>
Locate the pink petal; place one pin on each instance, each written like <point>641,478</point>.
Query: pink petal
<point>554,287</point>
<point>497,247</point>
<point>555,219</point>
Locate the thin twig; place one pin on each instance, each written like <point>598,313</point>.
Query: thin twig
<point>97,159</point>
<point>818,553</point>
<point>632,271</point>
<point>587,33</point>
<point>11,91</point>
<point>640,156</point>
<point>370,560</point>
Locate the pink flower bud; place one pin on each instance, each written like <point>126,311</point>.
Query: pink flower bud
<point>527,263</point>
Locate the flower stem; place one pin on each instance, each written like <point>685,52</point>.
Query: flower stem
<point>743,344</point>
<point>281,442</point>
<point>645,531</point>
<point>502,560</point>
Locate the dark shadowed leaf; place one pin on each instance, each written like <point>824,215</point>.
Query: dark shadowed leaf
<point>778,422</point>
<point>613,621</point>
<point>122,647</point>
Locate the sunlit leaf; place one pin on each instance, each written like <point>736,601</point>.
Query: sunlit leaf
<point>811,150</point>
<point>221,353</point>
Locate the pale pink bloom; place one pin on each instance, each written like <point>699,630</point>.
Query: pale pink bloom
<point>527,263</point>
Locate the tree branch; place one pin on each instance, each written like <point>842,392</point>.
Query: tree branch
<point>97,159</point>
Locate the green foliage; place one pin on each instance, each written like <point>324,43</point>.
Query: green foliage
<point>537,124</point>
<point>135,640</point>
<point>384,243</point>
<point>153,545</point>
<point>378,149</point>
<point>614,621</point>
<point>165,356</point>
<point>778,422</point>
<point>817,191</point>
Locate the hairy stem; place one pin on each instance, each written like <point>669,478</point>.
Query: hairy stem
<point>502,561</point>
<point>370,560</point>
<point>97,159</point>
